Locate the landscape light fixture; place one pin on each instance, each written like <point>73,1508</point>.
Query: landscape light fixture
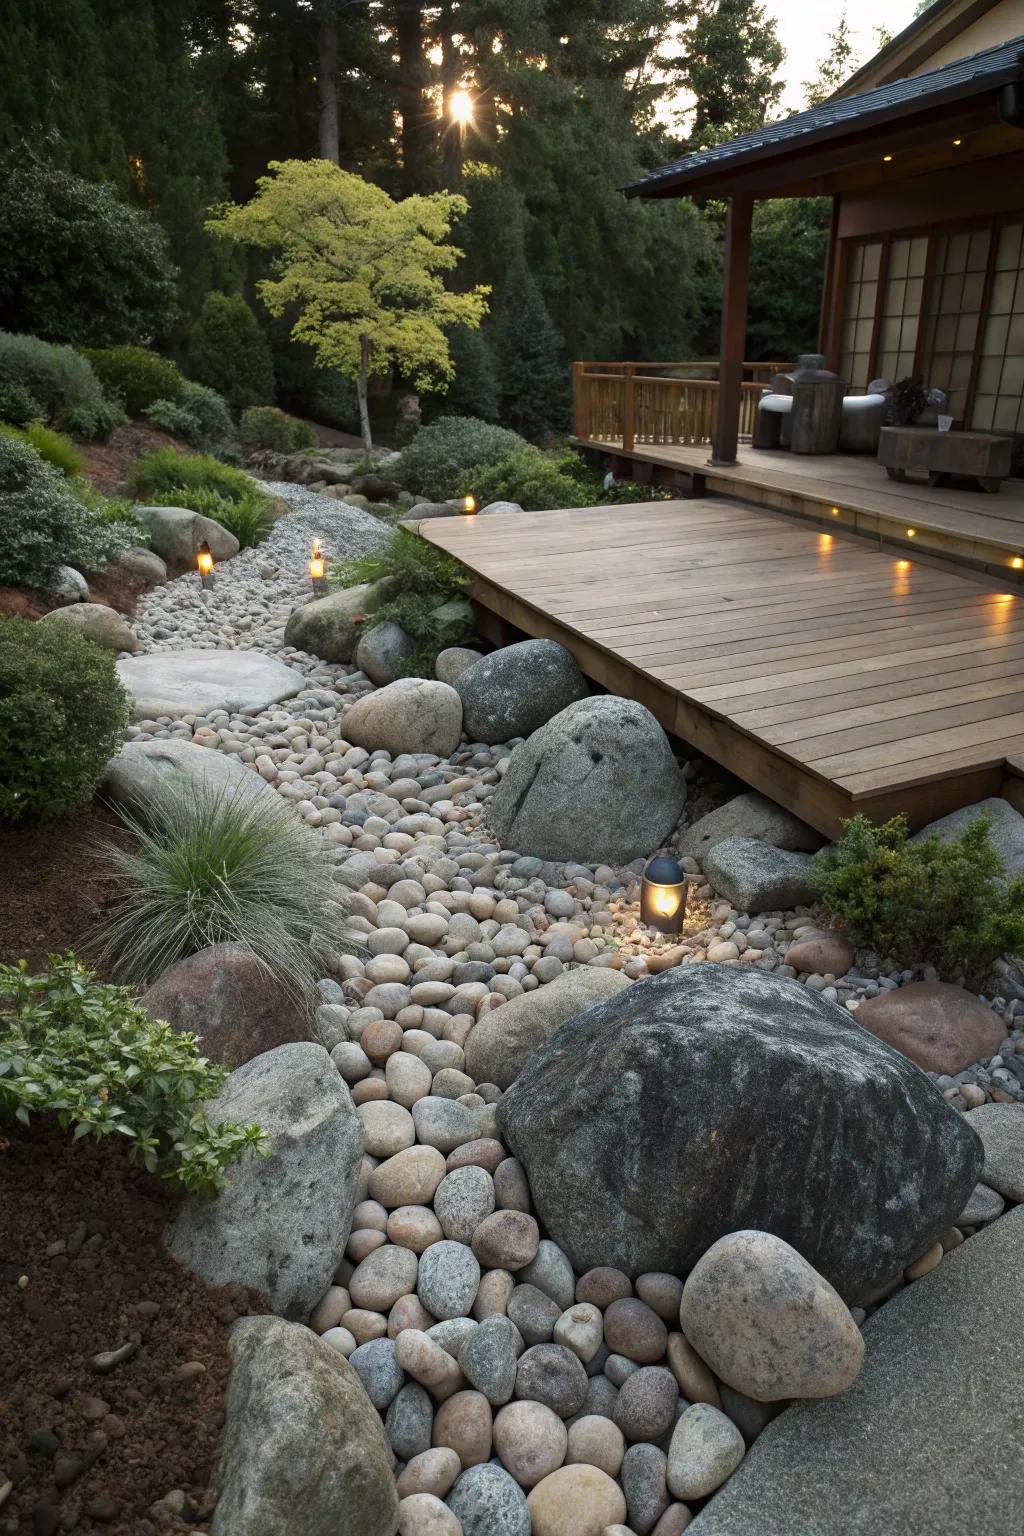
<point>1017,563</point>
<point>468,503</point>
<point>204,564</point>
<point>316,570</point>
<point>663,895</point>
<point>911,533</point>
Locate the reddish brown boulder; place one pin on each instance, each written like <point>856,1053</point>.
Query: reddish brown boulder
<point>225,997</point>
<point>822,954</point>
<point>942,1028</point>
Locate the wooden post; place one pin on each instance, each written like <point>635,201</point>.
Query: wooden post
<point>734,327</point>
<point>578,423</point>
<point>628,407</point>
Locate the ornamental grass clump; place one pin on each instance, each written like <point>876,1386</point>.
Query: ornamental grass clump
<point>73,1047</point>
<point>946,904</point>
<point>214,866</point>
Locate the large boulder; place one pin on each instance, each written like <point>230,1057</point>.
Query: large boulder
<point>513,691</point>
<point>942,1028</point>
<point>382,651</point>
<point>451,664</point>
<point>331,627</point>
<point>96,622</point>
<point>304,1450</point>
<point>231,1002</point>
<point>927,1440</point>
<point>281,1223</point>
<point>714,1098</point>
<point>412,714</point>
<point>597,785</point>
<point>749,815</point>
<point>142,562</point>
<point>177,532</point>
<point>177,683</point>
<point>1006,832</point>
<point>502,1042</point>
<point>757,877</point>
<point>145,774</point>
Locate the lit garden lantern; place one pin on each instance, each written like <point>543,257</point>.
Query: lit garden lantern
<point>204,563</point>
<point>468,503</point>
<point>316,570</point>
<point>663,896</point>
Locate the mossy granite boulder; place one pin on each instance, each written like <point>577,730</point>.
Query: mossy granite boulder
<point>515,690</point>
<point>331,627</point>
<point>715,1098</point>
<point>304,1453</point>
<point>598,784</point>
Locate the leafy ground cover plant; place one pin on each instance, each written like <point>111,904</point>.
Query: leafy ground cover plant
<point>53,447</point>
<point>68,392</point>
<point>944,903</point>
<point>439,456</point>
<point>424,592</point>
<point>85,1052</point>
<point>63,714</point>
<point>264,426</point>
<point>211,867</point>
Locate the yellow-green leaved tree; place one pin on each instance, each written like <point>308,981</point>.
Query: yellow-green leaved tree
<point>363,273</point>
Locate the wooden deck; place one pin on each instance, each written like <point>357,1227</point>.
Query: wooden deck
<point>853,491</point>
<point>833,676</point>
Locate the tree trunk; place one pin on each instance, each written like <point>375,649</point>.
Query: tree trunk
<point>327,79</point>
<point>362,387</point>
<point>452,134</point>
<point>412,80</point>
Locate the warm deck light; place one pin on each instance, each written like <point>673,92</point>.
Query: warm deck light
<point>663,896</point>
<point>460,108</point>
<point>835,511</point>
<point>886,159</point>
<point>1017,563</point>
<point>204,563</point>
<point>316,569</point>
<point>957,143</point>
<point>469,503</point>
<point>911,533</point>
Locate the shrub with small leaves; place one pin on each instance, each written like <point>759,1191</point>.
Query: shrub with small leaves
<point>63,715</point>
<point>18,406</point>
<point>39,517</point>
<point>536,480</point>
<point>440,456</point>
<point>170,417</point>
<point>69,394</point>
<point>73,1047</point>
<point>922,902</point>
<point>216,427</point>
<point>264,426</point>
<point>136,376</point>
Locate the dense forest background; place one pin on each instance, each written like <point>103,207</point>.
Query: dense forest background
<point>181,104</point>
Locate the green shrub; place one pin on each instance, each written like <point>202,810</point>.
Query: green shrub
<point>135,376</point>
<point>18,406</point>
<point>439,456</point>
<point>77,262</point>
<point>210,410</point>
<point>426,594</point>
<point>53,447</point>
<point>229,352</point>
<point>249,520</point>
<point>536,480</point>
<point>73,1047</point>
<point>165,470</point>
<point>170,417</point>
<point>926,902</point>
<point>214,868</point>
<point>111,511</point>
<point>62,717</point>
<point>61,380</point>
<point>264,426</point>
<point>39,517</point>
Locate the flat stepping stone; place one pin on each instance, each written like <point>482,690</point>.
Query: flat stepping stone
<point>180,683</point>
<point>928,1437</point>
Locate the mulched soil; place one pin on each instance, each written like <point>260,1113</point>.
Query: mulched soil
<point>106,464</point>
<point>116,589</point>
<point>82,1271</point>
<point>53,886</point>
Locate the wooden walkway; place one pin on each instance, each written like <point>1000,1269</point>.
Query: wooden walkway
<point>853,491</point>
<point>833,676</point>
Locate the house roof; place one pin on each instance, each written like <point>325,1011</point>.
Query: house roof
<point>727,163</point>
<point>942,22</point>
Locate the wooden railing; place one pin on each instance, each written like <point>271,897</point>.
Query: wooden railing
<point>646,404</point>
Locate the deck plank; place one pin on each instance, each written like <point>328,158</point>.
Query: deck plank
<point>831,674</point>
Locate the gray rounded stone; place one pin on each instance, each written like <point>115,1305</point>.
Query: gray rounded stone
<point>646,1405</point>
<point>448,1278</point>
<point>463,1199</point>
<point>379,1372</point>
<point>490,1503</point>
<point>706,1449</point>
<point>444,1123</point>
<point>488,1359</point>
<point>551,1272</point>
<point>534,1313</point>
<point>643,1473</point>
<point>409,1422</point>
<point>97,622</point>
<point>412,714</point>
<point>550,1374</point>
<point>451,663</point>
<point>382,651</point>
<point>515,690</point>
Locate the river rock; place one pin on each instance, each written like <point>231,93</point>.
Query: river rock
<point>576,1501</point>
<point>705,1450</point>
<point>766,1323</point>
<point>225,997</point>
<point>515,690</point>
<point>821,954</point>
<point>412,714</point>
<point>549,1374</point>
<point>490,1503</point>
<point>501,1042</point>
<point>331,627</point>
<point>531,1441</point>
<point>757,1078</point>
<point>597,784</point>
<point>756,877</point>
<point>942,1028</point>
<point>382,652</point>
<point>488,1356</point>
<point>448,1278</point>
<point>451,663</point>
<point>304,1452</point>
<point>281,1223</point>
<point>749,815</point>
